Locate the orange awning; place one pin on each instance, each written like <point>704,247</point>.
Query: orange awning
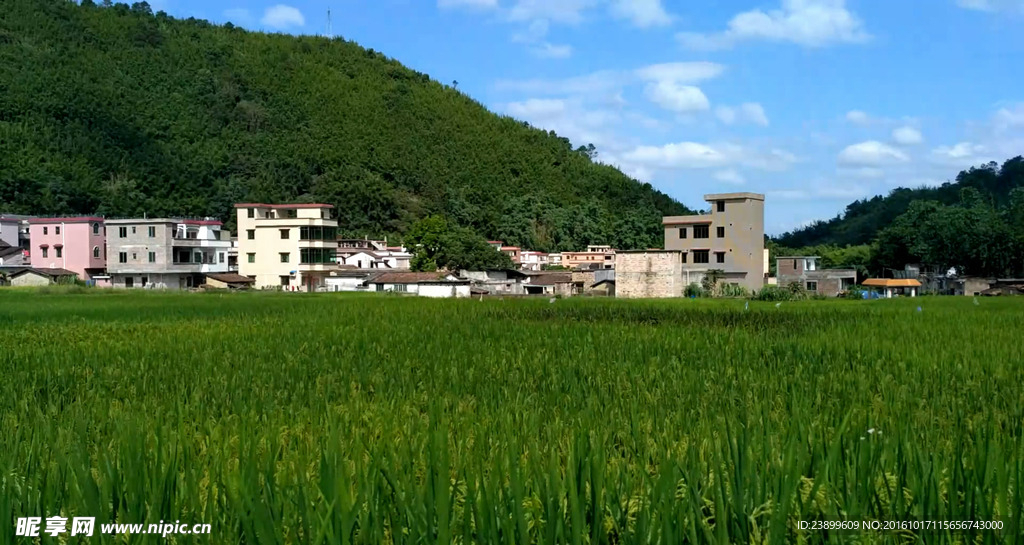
<point>892,283</point>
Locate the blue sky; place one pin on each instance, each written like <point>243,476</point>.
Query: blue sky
<point>813,102</point>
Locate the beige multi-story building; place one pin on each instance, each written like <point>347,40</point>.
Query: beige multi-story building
<point>729,238</point>
<point>596,257</point>
<point>288,246</point>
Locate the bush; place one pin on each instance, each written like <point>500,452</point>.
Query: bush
<point>733,290</point>
<point>694,290</point>
<point>774,293</point>
<point>854,292</point>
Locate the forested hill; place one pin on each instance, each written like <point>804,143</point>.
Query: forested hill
<point>863,220</point>
<point>115,110</point>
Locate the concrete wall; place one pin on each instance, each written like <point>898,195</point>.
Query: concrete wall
<point>651,274</point>
<point>444,290</point>
<point>828,282</point>
<point>30,279</point>
<point>9,232</point>
<point>133,239</point>
<point>80,239</point>
<point>170,281</point>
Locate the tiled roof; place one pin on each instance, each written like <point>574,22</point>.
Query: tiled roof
<point>550,279</point>
<point>52,273</point>
<point>408,277</point>
<point>75,219</point>
<point>231,278</point>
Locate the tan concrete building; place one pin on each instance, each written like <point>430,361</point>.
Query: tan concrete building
<point>293,247</point>
<point>804,271</point>
<point>730,238</point>
<point>597,257</point>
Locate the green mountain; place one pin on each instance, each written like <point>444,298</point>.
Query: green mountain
<point>863,220</point>
<point>115,110</point>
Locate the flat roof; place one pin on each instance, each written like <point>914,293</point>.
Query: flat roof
<point>686,220</point>
<point>733,196</point>
<point>164,220</point>
<point>71,219</point>
<point>650,251</point>
<point>285,206</point>
<point>798,257</point>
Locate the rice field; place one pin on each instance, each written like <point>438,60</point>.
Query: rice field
<point>323,419</point>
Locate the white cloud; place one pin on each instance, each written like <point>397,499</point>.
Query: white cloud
<point>750,112</point>
<point>570,118</point>
<point>730,176</point>
<point>992,5</point>
<point>810,23</point>
<point>821,190</point>
<point>677,98</point>
<point>239,16</point>
<point>560,11</point>
<point>535,34</point>
<point>962,155</point>
<point>473,4</point>
<point>871,154</point>
<point>552,51</point>
<point>613,81</point>
<point>1010,117</point>
<point>696,155</point>
<point>642,13</point>
<point>858,117</point>
<point>907,136</point>
<point>283,17</point>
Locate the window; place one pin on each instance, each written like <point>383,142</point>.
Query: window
<point>293,213</point>
<point>220,257</point>
<point>285,280</point>
<point>719,257</point>
<point>144,280</point>
<point>96,252</point>
<point>795,268</point>
<point>812,286</point>
<point>129,282</point>
<point>682,232</point>
<point>95,228</point>
<point>46,230</point>
<point>401,287</point>
<point>252,258</point>
<point>122,232</point>
<point>56,230</point>
<point>133,229</point>
<point>721,206</point>
<point>44,251</point>
<point>284,234</point>
<point>701,231</point>
<point>252,212</point>
<point>318,255</point>
<point>135,256</point>
<point>250,234</point>
<point>197,257</point>
<point>701,256</point>
<point>60,251</point>
<point>152,257</point>
<point>682,257</point>
<point>320,233</point>
<point>122,257</point>
<point>720,232</point>
<point>380,287</point>
<point>284,257</point>
<point>152,233</point>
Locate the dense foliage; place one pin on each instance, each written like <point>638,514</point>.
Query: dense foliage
<point>118,111</point>
<point>436,244</point>
<point>402,420</point>
<point>975,226</point>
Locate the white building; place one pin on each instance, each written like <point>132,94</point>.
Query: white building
<point>533,261</point>
<point>424,284</point>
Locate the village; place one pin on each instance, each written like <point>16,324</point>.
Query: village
<point>296,248</point>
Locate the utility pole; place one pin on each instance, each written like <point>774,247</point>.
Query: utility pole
<point>330,31</point>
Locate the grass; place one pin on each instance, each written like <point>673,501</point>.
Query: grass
<point>302,419</point>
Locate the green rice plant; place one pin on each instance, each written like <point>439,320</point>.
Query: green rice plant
<point>284,418</point>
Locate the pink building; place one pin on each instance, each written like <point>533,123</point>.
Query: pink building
<point>77,244</point>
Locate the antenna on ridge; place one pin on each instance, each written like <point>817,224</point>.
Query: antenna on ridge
<point>330,31</point>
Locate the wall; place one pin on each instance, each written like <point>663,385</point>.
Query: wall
<point>340,283</point>
<point>170,281</point>
<point>78,242</point>
<point>9,232</point>
<point>30,279</point>
<point>651,274</point>
<point>444,290</point>
<point>137,244</point>
<point>830,282</point>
